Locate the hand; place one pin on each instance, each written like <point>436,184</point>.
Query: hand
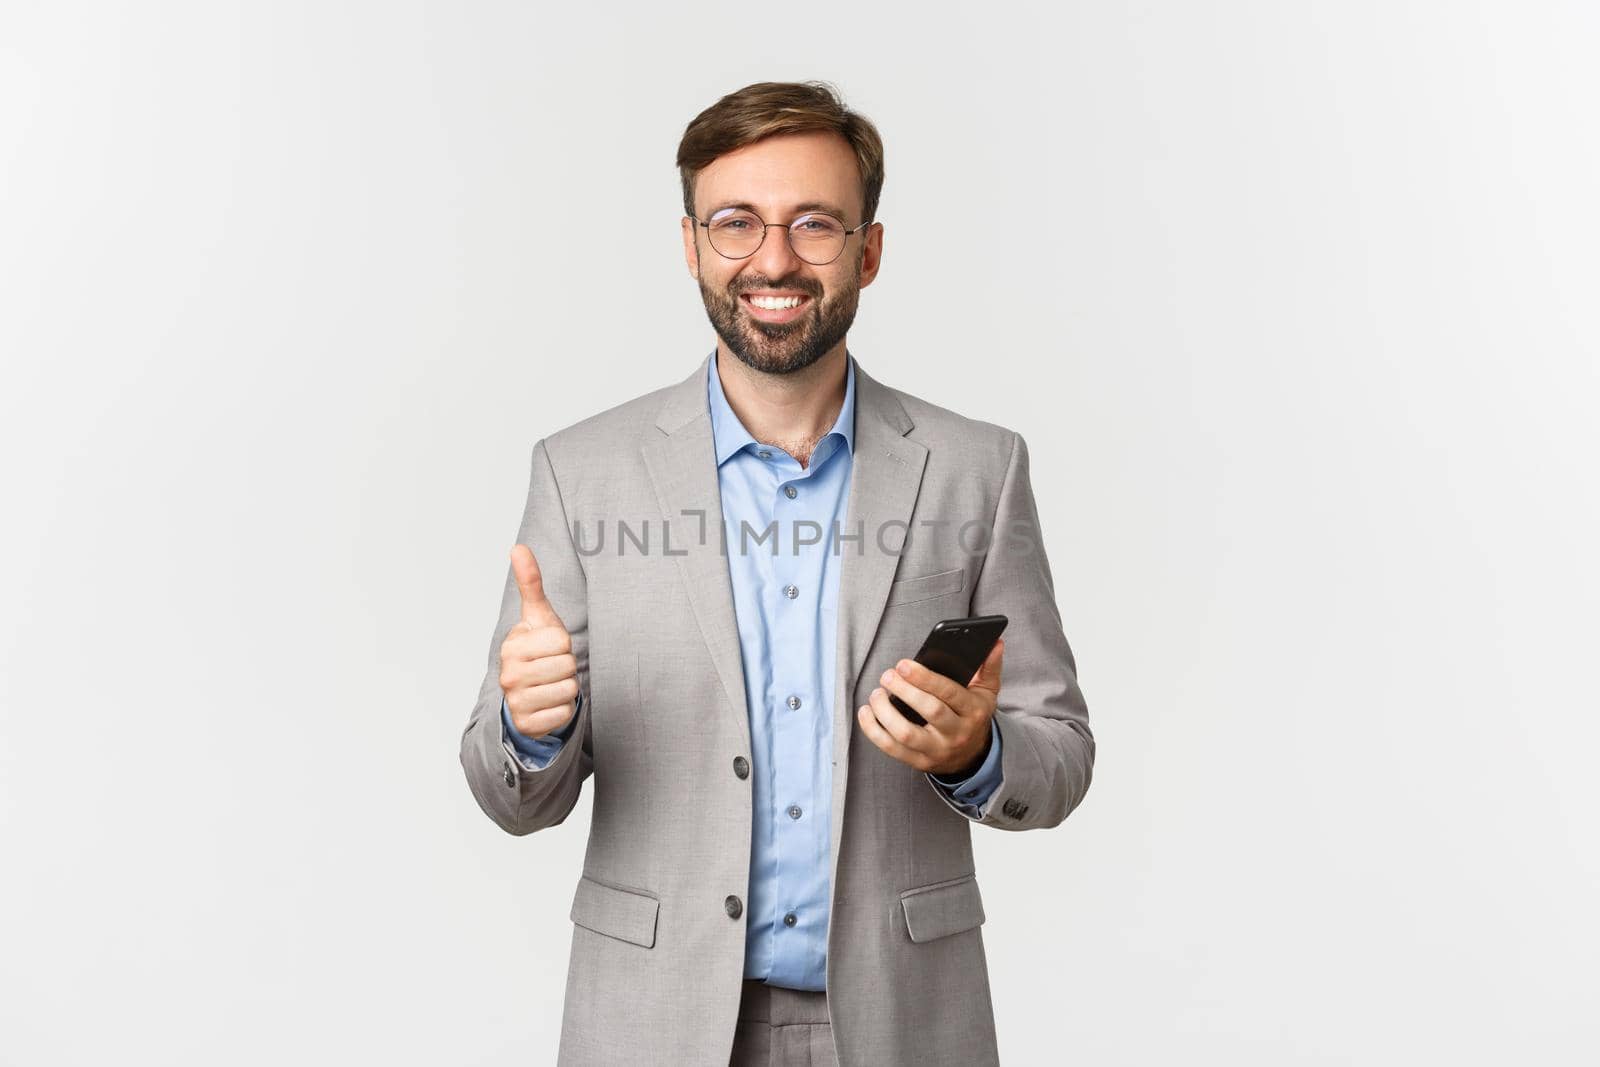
<point>958,716</point>
<point>538,672</point>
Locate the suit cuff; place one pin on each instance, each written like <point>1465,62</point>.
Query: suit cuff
<point>535,753</point>
<point>975,790</point>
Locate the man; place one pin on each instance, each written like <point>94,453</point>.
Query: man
<point>716,587</point>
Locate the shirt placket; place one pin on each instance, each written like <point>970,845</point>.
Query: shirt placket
<point>798,584</point>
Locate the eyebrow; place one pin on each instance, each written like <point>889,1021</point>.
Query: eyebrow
<point>809,205</point>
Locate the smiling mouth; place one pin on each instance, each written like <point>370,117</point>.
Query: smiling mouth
<point>782,313</point>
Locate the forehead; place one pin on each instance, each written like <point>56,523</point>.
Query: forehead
<point>779,174</point>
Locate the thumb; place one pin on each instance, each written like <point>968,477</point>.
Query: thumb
<point>536,607</point>
<point>988,676</point>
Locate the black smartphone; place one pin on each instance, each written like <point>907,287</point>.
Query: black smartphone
<point>955,648</point>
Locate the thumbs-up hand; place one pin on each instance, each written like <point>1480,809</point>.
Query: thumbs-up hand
<point>538,671</point>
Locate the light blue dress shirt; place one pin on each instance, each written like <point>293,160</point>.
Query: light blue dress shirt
<point>780,522</point>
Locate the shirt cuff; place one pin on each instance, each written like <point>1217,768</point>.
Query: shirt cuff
<point>535,753</point>
<point>975,790</point>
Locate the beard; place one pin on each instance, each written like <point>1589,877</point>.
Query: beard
<point>782,347</point>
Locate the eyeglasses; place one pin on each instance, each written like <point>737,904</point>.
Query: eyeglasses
<point>816,237</point>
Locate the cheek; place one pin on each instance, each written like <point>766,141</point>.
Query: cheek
<point>836,290</point>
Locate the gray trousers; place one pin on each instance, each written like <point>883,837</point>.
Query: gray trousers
<point>782,1027</point>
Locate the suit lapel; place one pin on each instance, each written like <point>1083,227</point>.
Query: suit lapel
<point>883,492</point>
<point>683,469</point>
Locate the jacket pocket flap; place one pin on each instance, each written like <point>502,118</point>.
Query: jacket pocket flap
<point>943,908</point>
<point>926,586</point>
<point>621,913</point>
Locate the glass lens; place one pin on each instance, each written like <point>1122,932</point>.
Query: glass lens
<point>816,238</point>
<point>735,233</point>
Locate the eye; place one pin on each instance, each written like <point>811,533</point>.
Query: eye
<point>734,222</point>
<point>817,226</point>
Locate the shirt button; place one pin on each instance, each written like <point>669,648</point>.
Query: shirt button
<point>764,454</point>
<point>733,907</point>
<point>789,919</point>
<point>794,811</point>
<point>741,766</point>
<point>791,591</point>
<point>794,702</point>
<point>970,793</point>
<point>790,491</point>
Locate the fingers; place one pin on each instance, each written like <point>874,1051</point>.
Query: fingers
<point>872,716</point>
<point>910,735</point>
<point>536,607</point>
<point>922,700</point>
<point>518,673</point>
<point>947,691</point>
<point>525,701</point>
<point>526,641</point>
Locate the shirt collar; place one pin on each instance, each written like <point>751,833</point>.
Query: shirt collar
<point>729,434</point>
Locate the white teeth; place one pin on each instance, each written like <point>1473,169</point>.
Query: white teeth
<point>775,303</point>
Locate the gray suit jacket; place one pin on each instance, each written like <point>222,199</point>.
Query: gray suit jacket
<point>657,958</point>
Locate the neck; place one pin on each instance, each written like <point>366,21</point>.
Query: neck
<point>792,411</point>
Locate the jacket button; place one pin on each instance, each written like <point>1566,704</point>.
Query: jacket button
<point>510,775</point>
<point>741,766</point>
<point>733,907</point>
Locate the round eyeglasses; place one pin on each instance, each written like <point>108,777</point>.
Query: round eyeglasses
<point>816,237</point>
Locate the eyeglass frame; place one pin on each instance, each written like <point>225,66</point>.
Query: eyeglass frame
<point>765,226</point>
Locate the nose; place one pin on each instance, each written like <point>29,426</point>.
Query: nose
<point>775,258</point>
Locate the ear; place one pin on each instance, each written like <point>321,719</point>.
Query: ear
<point>871,253</point>
<point>691,250</point>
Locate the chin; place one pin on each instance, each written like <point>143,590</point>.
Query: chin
<point>786,364</point>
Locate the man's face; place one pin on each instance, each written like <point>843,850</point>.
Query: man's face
<point>775,177</point>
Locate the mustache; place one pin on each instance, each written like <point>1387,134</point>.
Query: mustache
<point>800,287</point>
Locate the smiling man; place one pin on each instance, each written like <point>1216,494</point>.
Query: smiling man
<point>779,867</point>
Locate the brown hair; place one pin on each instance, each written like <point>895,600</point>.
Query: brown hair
<point>765,109</point>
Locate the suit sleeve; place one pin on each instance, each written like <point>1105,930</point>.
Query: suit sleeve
<point>1046,747</point>
<point>518,798</point>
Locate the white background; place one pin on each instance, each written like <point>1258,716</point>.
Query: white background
<point>1295,305</point>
